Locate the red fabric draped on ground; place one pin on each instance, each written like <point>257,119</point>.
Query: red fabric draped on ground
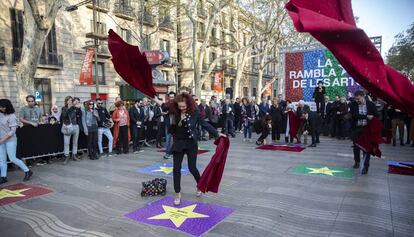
<point>332,23</point>
<point>404,168</point>
<point>210,180</point>
<point>370,137</point>
<point>281,148</point>
<point>131,64</point>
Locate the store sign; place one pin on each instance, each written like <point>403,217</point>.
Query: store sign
<point>156,56</point>
<point>86,71</point>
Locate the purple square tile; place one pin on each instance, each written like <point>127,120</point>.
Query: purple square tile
<point>193,218</point>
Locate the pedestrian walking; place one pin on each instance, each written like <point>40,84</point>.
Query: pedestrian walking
<point>8,141</point>
<point>70,129</point>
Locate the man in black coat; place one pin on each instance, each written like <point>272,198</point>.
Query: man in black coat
<point>137,118</point>
<point>237,115</point>
<point>319,96</point>
<point>277,119</point>
<point>362,111</point>
<point>334,118</point>
<point>228,117</point>
<point>327,116</point>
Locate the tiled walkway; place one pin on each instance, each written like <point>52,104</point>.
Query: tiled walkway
<point>90,198</point>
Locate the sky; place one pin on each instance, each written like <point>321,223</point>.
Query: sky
<point>384,18</point>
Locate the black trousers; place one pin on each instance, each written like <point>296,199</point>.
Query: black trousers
<point>357,158</point>
<point>122,142</point>
<point>320,105</point>
<point>93,144</point>
<point>314,135</point>
<point>136,133</point>
<point>276,130</point>
<point>160,132</point>
<point>334,126</point>
<point>192,166</point>
<point>264,135</point>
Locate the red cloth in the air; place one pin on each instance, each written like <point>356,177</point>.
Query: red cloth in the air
<point>332,23</point>
<point>211,177</point>
<point>370,137</point>
<point>131,64</point>
<point>294,124</point>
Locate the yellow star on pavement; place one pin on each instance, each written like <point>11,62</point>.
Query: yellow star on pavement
<point>7,193</point>
<point>165,169</point>
<point>323,170</point>
<point>178,215</point>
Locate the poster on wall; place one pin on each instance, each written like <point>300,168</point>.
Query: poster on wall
<point>86,71</point>
<point>218,81</point>
<point>303,71</point>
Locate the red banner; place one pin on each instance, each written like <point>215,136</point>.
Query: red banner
<point>86,72</point>
<point>218,81</point>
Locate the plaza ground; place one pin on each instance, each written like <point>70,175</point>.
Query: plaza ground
<point>90,198</point>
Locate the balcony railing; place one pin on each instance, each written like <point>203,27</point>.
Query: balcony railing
<point>101,6</point>
<point>230,70</point>
<point>100,33</point>
<point>201,36</point>
<point>147,19</point>
<point>2,55</point>
<point>166,24</point>
<point>124,11</point>
<point>201,13</point>
<point>51,59</point>
<point>214,41</point>
<point>233,47</point>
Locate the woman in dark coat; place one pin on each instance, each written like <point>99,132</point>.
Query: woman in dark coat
<point>183,127</point>
<point>277,120</point>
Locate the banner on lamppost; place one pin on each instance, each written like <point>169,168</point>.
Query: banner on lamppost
<point>86,71</point>
<point>268,89</point>
<point>218,79</point>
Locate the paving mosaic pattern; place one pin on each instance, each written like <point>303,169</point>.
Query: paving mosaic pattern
<point>91,198</point>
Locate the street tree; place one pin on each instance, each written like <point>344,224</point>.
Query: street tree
<point>401,54</point>
<point>39,17</point>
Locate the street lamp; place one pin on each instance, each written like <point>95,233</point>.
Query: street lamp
<point>95,31</point>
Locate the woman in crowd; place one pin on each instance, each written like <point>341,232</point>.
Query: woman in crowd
<point>8,141</point>
<point>55,113</point>
<point>122,135</point>
<point>90,119</point>
<point>214,114</point>
<point>184,126</point>
<point>248,112</point>
<point>277,119</point>
<point>70,129</point>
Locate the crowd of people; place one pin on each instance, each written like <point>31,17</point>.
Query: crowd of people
<point>276,121</point>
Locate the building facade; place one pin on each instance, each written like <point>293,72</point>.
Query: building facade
<point>151,25</point>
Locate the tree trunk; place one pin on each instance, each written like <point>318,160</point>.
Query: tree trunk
<point>259,86</point>
<point>34,39</point>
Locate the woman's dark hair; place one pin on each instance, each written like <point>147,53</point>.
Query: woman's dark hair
<point>5,103</point>
<point>245,99</point>
<point>188,99</point>
<point>265,120</point>
<point>30,96</point>
<point>119,104</point>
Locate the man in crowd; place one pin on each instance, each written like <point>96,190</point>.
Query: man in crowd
<point>30,114</point>
<point>228,117</point>
<point>362,111</point>
<point>264,108</point>
<point>205,115</point>
<point>167,123</point>
<point>149,114</point>
<point>326,116</point>
<point>282,107</point>
<point>397,121</point>
<point>137,118</point>
<point>335,117</point>
<point>318,95</point>
<point>104,126</point>
<point>299,112</point>
<point>237,115</point>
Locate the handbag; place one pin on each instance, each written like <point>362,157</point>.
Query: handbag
<point>154,187</point>
<point>68,129</point>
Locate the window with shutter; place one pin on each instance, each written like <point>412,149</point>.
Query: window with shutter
<point>16,18</point>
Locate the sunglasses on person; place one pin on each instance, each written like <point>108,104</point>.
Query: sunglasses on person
<point>99,103</point>
<point>91,104</point>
